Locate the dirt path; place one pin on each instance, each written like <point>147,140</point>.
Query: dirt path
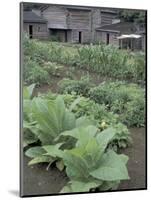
<point>74,75</point>
<point>39,181</point>
<point>137,160</point>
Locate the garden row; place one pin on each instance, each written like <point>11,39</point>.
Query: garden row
<point>44,58</point>
<point>119,97</point>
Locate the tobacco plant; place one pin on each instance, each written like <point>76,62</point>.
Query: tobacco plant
<point>93,167</point>
<point>66,140</point>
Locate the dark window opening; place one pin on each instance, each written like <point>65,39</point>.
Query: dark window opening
<point>80,37</point>
<point>30,31</point>
<point>107,38</point>
<point>54,32</point>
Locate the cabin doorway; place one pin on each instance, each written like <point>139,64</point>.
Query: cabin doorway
<point>107,38</point>
<point>66,36</point>
<point>59,35</point>
<point>30,31</point>
<point>80,37</point>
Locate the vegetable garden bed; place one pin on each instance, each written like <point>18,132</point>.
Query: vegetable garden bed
<point>82,116</point>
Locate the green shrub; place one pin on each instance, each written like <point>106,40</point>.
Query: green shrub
<point>53,68</point>
<point>121,139</point>
<point>127,100</point>
<point>37,51</point>
<point>54,38</point>
<point>83,106</point>
<point>34,73</point>
<point>81,86</point>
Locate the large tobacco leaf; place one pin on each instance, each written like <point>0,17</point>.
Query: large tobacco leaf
<point>38,155</point>
<point>112,168</point>
<point>29,125</point>
<point>28,91</point>
<point>92,162</point>
<point>79,186</point>
<point>52,118</point>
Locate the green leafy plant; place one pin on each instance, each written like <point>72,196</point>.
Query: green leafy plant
<point>121,139</point>
<point>29,127</point>
<point>52,118</point>
<point>34,73</point>
<point>94,167</point>
<point>127,100</point>
<point>82,106</point>
<point>65,139</point>
<point>81,86</point>
<point>53,68</point>
<point>99,114</point>
<point>45,120</point>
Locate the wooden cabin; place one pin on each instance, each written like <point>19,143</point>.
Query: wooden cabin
<point>66,23</point>
<point>34,25</point>
<point>125,35</point>
<point>77,24</point>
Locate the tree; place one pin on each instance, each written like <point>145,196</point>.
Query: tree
<point>132,16</point>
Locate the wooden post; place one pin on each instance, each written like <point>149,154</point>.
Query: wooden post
<point>131,44</point>
<point>121,43</point>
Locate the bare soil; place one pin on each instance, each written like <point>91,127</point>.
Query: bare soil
<point>72,73</point>
<point>37,180</point>
<point>137,161</point>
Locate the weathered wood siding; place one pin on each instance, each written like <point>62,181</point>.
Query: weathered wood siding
<point>143,42</point>
<point>56,17</point>
<point>106,18</point>
<point>95,22</point>
<point>102,37</point>
<point>85,36</point>
<point>79,19</point>
<point>69,22</point>
<point>39,30</point>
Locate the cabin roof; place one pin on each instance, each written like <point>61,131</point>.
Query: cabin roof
<point>109,11</point>
<point>78,8</point>
<point>132,36</point>
<point>121,27</point>
<point>29,16</point>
